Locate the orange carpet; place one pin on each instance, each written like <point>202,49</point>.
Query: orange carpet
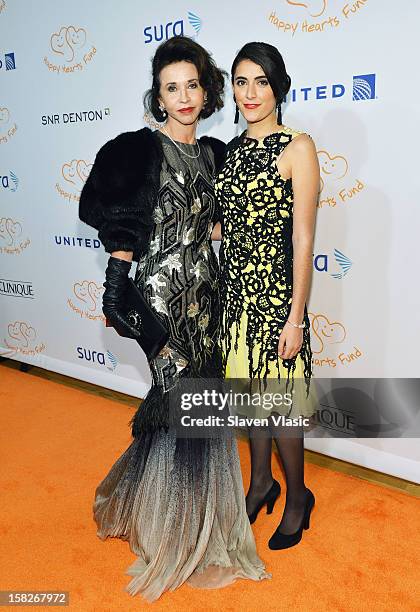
<point>57,443</point>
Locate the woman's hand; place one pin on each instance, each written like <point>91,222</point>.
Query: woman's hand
<point>116,282</point>
<point>290,342</point>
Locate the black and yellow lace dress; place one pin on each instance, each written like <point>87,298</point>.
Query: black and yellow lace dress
<point>256,258</point>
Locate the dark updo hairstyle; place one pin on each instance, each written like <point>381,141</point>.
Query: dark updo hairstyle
<point>184,49</point>
<point>271,61</point>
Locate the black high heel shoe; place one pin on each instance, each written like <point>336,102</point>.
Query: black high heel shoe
<point>279,540</point>
<point>269,499</point>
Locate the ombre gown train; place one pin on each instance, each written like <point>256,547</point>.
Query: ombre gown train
<point>179,502</point>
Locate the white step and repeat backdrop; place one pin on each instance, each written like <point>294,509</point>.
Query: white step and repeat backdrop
<point>72,75</point>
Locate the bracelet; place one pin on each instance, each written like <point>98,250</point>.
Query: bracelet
<point>301,326</point>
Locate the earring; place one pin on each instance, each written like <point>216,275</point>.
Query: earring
<point>236,114</point>
<point>279,118</point>
<point>163,111</point>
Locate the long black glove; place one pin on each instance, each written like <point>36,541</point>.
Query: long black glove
<point>116,282</point>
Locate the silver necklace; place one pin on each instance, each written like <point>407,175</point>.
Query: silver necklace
<point>178,147</point>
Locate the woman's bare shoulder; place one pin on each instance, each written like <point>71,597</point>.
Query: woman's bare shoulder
<point>302,142</point>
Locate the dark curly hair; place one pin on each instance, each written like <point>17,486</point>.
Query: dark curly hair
<point>184,49</point>
<point>270,59</point>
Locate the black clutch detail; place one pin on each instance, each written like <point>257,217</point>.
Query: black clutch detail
<point>153,334</point>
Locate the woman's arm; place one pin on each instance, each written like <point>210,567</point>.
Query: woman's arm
<point>217,231</point>
<point>218,148</point>
<point>305,181</point>
<point>126,255</point>
<point>109,199</point>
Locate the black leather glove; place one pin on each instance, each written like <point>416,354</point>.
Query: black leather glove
<point>116,276</point>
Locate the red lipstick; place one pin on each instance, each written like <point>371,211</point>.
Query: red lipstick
<point>251,106</point>
<point>186,110</point>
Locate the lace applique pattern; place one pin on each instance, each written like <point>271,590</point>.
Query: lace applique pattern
<point>256,254</point>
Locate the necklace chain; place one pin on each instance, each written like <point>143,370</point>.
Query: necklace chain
<point>179,148</point>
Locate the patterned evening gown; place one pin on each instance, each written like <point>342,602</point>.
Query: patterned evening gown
<point>180,502</point>
<point>256,259</point>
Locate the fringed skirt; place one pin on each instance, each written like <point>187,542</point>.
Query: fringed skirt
<point>250,354</point>
<point>180,504</point>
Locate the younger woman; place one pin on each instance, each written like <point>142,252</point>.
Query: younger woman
<point>267,190</point>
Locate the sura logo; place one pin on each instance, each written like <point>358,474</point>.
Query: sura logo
<point>21,339</point>
<point>335,185</point>
<point>70,47</point>
<point>325,335</point>
<point>74,175</point>
<point>311,16</point>
<point>157,33</point>
<point>9,181</point>
<point>10,237</point>
<point>195,21</point>
<point>108,359</point>
<point>88,300</point>
<point>7,128</point>
<point>9,62</point>
<point>321,264</point>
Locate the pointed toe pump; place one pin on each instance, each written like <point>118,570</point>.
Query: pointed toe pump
<point>269,499</point>
<point>280,540</point>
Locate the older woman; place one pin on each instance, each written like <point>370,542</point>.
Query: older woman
<point>178,501</point>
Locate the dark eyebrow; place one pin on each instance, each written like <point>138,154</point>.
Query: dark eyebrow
<point>189,81</point>
<point>257,77</point>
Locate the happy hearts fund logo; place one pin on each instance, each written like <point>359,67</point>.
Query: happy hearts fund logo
<point>7,128</point>
<point>315,8</point>
<point>74,174</point>
<point>89,300</point>
<point>150,121</point>
<point>334,190</point>
<point>308,16</point>
<point>10,237</point>
<point>21,339</point>
<point>4,116</point>
<point>326,332</point>
<point>70,47</point>
<point>325,335</point>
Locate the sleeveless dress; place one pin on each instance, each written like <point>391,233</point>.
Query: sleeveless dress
<point>256,258</point>
<point>179,502</point>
